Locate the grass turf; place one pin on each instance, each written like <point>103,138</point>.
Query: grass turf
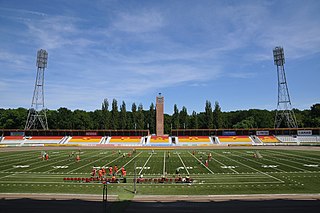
<point>229,172</point>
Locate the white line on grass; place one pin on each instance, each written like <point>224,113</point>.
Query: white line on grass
<point>132,159</point>
<point>201,163</point>
<point>295,158</point>
<point>262,163</point>
<point>164,163</point>
<point>93,162</point>
<point>225,165</point>
<point>254,169</point>
<point>183,164</point>
<point>145,163</point>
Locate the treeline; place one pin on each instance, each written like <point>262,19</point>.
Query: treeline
<point>118,117</point>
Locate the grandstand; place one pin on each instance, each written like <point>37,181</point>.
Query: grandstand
<point>125,140</point>
<point>193,140</point>
<point>12,140</point>
<point>158,140</point>
<point>268,139</point>
<point>235,140</point>
<point>85,140</point>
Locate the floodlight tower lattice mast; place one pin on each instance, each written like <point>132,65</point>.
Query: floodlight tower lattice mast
<point>284,111</point>
<point>37,112</point>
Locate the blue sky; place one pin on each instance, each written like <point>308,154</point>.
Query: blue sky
<point>190,51</point>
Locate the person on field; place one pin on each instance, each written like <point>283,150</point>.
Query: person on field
<point>110,170</point>
<point>78,158</point>
<point>47,156</point>
<point>207,163</point>
<point>104,171</point>
<point>210,156</point>
<point>94,172</point>
<point>115,169</point>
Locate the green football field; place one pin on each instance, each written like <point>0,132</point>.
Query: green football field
<point>230,171</point>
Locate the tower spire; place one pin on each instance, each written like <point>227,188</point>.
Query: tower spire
<point>284,113</point>
<point>37,112</point>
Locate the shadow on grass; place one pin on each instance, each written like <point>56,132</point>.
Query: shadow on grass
<point>81,206</point>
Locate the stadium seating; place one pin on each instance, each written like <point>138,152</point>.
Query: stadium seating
<point>235,140</point>
<point>125,139</point>
<point>194,140</point>
<point>159,139</point>
<point>43,140</point>
<point>287,138</point>
<point>268,139</point>
<point>85,140</point>
<point>309,139</point>
<point>13,140</point>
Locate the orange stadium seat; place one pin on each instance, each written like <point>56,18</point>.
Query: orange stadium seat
<point>234,139</point>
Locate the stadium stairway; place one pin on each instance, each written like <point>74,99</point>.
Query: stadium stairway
<point>256,140</point>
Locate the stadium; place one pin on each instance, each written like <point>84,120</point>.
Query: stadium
<point>132,170</point>
<point>261,157</point>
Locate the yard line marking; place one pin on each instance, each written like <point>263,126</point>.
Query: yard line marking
<point>302,169</point>
<point>94,161</point>
<point>164,163</point>
<point>201,163</point>
<point>130,161</point>
<point>224,165</point>
<point>309,152</point>
<point>49,164</point>
<point>255,169</point>
<point>25,160</point>
<point>295,156</point>
<point>262,163</point>
<point>183,163</point>
<point>35,161</point>
<point>278,162</point>
<point>73,162</point>
<point>145,163</point>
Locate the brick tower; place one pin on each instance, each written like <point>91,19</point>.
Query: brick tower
<point>159,115</point>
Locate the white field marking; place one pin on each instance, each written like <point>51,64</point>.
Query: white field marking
<point>281,163</point>
<point>226,152</point>
<point>201,163</point>
<point>269,166</point>
<point>21,166</point>
<point>99,184</point>
<point>306,157</point>
<point>140,167</point>
<point>311,165</point>
<point>28,156</point>
<point>60,167</point>
<point>254,169</point>
<point>302,169</point>
<point>49,164</point>
<point>228,167</point>
<point>36,162</point>
<point>93,162</point>
<point>232,169</point>
<point>164,163</point>
<point>297,156</point>
<point>183,165</point>
<point>256,162</point>
<point>145,164</point>
<point>131,159</point>
<point>74,161</point>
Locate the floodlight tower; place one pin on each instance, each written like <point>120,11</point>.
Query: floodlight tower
<point>37,112</point>
<point>284,111</point>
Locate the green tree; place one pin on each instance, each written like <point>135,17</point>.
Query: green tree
<point>140,117</point>
<point>217,116</point>
<point>105,114</point>
<point>208,115</point>
<point>194,124</point>
<point>134,115</point>
<point>151,119</point>
<point>175,117</point>
<point>123,116</point>
<point>114,115</point>
<point>183,117</point>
